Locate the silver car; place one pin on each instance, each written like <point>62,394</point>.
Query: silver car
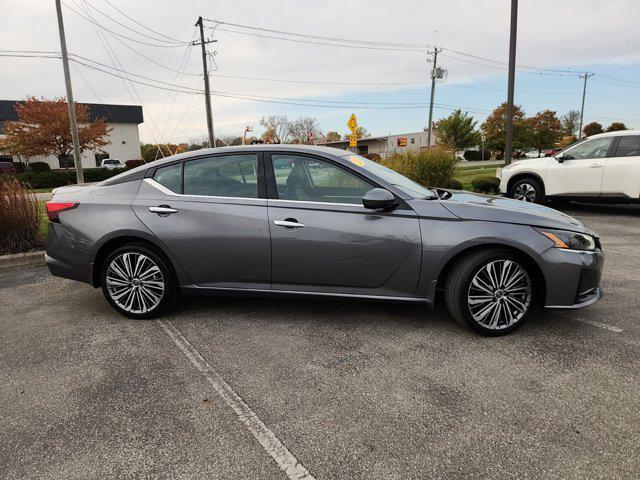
<point>321,222</point>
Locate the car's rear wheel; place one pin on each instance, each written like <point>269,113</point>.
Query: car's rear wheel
<point>490,291</point>
<point>527,190</point>
<point>138,282</point>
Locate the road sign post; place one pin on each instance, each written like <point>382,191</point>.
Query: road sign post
<point>353,138</point>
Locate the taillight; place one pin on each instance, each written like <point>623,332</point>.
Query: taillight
<point>54,209</point>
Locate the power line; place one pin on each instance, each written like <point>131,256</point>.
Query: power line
<point>99,25</point>
<point>133,29</point>
<point>362,47</point>
<point>141,24</point>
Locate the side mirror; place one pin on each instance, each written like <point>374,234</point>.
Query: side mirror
<point>560,158</point>
<point>379,199</point>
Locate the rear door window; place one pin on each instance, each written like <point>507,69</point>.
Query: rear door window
<point>222,176</point>
<point>628,146</point>
<point>169,177</point>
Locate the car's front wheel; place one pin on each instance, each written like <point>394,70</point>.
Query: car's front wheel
<point>527,190</point>
<point>137,282</point>
<point>490,291</point>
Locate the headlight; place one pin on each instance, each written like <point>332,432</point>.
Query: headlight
<point>570,240</point>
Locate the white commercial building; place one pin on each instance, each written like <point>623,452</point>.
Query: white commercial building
<point>389,144</point>
<point>123,137</point>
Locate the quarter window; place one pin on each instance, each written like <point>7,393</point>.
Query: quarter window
<point>596,148</point>
<point>628,146</point>
<point>169,177</point>
<point>223,176</point>
<point>312,180</point>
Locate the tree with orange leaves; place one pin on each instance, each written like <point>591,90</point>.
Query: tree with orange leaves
<point>43,128</point>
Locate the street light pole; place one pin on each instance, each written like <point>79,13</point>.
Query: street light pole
<point>70,103</point>
<point>508,147</point>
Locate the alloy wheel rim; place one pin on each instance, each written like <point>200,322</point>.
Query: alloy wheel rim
<point>499,294</point>
<point>525,192</point>
<point>135,282</point>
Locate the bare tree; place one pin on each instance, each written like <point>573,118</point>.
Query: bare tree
<point>276,129</point>
<point>305,130</point>
<point>570,122</point>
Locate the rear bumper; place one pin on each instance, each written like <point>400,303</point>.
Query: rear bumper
<point>63,257</point>
<point>572,278</point>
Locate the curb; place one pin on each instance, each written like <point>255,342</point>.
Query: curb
<point>22,259</point>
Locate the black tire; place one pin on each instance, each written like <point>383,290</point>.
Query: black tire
<point>165,275</point>
<point>458,289</point>
<point>527,189</point>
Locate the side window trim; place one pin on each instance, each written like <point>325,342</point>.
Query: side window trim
<point>613,148</point>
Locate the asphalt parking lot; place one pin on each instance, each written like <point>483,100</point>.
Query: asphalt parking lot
<point>255,388</point>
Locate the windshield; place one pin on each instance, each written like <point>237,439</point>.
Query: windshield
<point>390,176</point>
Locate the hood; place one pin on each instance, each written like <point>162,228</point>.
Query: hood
<point>475,206</point>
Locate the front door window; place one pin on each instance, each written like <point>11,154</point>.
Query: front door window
<point>596,148</point>
<point>312,180</point>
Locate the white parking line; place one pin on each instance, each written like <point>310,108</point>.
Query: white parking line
<point>607,250</point>
<point>265,437</point>
<point>604,326</point>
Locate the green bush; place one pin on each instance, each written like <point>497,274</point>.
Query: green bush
<point>455,185</point>
<point>432,168</point>
<point>19,166</point>
<point>60,178</point>
<point>19,218</point>
<point>39,167</point>
<point>486,184</point>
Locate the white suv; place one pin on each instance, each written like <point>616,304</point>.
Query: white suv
<point>604,167</point>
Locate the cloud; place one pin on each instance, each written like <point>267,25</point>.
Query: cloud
<point>550,34</point>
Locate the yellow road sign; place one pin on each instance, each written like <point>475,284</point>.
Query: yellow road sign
<point>353,140</point>
<point>353,123</point>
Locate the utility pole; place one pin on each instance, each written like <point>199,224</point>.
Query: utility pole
<point>508,147</point>
<point>584,93</point>
<point>434,73</point>
<point>207,93</point>
<point>70,104</point>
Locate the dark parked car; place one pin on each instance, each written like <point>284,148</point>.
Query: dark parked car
<point>7,168</point>
<point>315,221</point>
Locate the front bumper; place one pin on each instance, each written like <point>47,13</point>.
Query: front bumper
<point>572,278</point>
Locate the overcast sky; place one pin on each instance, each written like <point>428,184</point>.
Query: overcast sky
<point>597,36</point>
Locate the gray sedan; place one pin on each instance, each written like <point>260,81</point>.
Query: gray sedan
<point>313,221</point>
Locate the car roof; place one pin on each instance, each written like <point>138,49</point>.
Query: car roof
<point>616,133</point>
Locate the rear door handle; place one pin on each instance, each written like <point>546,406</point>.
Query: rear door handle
<point>289,223</point>
<point>163,210</point>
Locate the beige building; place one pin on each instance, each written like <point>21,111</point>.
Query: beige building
<point>123,138</point>
<point>390,144</point>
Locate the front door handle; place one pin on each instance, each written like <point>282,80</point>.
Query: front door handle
<point>163,210</point>
<point>289,223</point>
<point>595,165</point>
